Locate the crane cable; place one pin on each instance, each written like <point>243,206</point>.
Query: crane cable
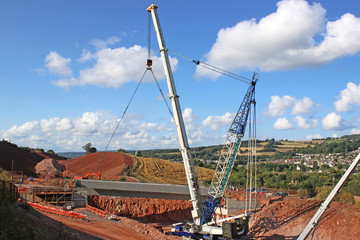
<point>215,69</point>
<point>149,64</point>
<point>251,162</point>
<point>120,120</point>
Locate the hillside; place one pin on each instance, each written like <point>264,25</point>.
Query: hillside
<point>111,165</point>
<point>162,171</point>
<point>23,160</point>
<point>117,166</point>
<point>267,150</point>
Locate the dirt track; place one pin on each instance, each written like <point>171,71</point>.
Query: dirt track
<point>124,228</point>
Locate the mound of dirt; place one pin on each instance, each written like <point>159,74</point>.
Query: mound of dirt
<point>23,160</point>
<point>48,166</point>
<point>112,165</point>
<point>49,155</point>
<point>287,219</point>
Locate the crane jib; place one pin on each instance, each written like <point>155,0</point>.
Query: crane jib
<point>238,142</point>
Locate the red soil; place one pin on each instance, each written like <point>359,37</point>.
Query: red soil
<point>144,209</point>
<point>287,219</point>
<point>111,166</point>
<point>49,155</point>
<point>23,160</point>
<point>100,228</point>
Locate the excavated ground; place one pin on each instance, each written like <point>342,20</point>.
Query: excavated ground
<point>286,219</point>
<point>112,165</point>
<point>144,209</point>
<point>276,219</point>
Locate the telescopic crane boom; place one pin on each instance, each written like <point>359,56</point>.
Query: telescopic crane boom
<point>192,180</point>
<point>202,227</point>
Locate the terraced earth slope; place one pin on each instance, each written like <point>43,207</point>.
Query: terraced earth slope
<point>117,166</point>
<point>162,171</point>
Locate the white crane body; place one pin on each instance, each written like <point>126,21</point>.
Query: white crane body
<point>203,212</point>
<point>192,180</point>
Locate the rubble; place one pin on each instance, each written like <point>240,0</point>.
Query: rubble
<point>48,166</point>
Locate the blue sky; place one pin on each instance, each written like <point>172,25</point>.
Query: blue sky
<point>69,68</point>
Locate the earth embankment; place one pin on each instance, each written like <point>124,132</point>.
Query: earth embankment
<point>144,209</point>
<point>112,165</point>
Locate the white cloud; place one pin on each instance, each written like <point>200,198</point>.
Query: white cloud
<point>316,136</point>
<point>64,124</point>
<point>100,44</point>
<point>86,56</point>
<point>189,116</point>
<point>115,67</point>
<point>348,96</point>
<point>70,134</point>
<point>58,64</point>
<point>215,122</point>
<point>283,124</point>
<point>279,105</point>
<point>332,121</point>
<point>302,106</point>
<point>285,39</point>
<point>355,131</point>
<point>302,123</point>
<point>23,130</point>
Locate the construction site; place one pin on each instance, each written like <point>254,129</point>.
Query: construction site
<point>118,195</point>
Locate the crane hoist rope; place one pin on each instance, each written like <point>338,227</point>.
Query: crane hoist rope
<point>149,68</point>
<point>120,120</point>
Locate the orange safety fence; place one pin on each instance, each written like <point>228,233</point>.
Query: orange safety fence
<point>56,211</point>
<point>96,210</point>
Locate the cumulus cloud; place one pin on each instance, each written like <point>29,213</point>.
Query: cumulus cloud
<point>283,124</point>
<point>316,136</point>
<point>296,35</point>
<point>58,64</point>
<point>279,105</point>
<point>189,116</point>
<point>332,121</point>
<point>216,122</point>
<point>348,96</point>
<point>114,67</point>
<point>302,123</point>
<point>70,134</point>
<point>23,130</point>
<point>100,44</point>
<point>355,131</point>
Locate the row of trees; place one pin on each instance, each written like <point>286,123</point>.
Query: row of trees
<point>285,176</point>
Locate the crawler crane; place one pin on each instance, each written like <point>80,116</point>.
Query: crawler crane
<point>203,226</point>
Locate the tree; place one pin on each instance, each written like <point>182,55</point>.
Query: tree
<point>89,148</point>
<point>51,151</point>
<point>121,150</point>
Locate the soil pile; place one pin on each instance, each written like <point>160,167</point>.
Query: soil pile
<point>23,160</point>
<point>48,166</point>
<point>144,209</point>
<point>49,155</point>
<point>288,218</point>
<point>112,165</point>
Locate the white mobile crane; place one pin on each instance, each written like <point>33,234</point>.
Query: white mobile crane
<point>203,213</point>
